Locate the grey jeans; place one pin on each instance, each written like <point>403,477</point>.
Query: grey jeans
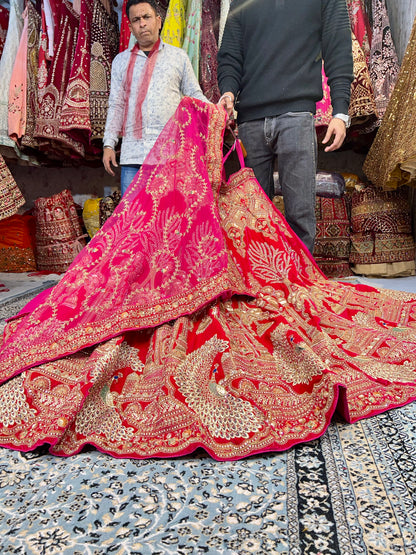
<point>291,138</point>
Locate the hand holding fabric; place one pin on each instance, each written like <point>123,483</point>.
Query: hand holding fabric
<point>227,102</point>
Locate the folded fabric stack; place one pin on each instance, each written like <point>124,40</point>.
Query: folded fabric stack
<point>17,244</point>
<point>332,243</point>
<point>59,236</point>
<point>382,240</point>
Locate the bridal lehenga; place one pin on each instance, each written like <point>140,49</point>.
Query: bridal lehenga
<point>196,318</point>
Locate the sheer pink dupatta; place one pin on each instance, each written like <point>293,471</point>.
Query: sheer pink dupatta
<point>161,254</point>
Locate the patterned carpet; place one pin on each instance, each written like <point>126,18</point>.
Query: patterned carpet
<point>353,491</point>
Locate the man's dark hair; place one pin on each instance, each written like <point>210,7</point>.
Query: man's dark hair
<point>151,3</point>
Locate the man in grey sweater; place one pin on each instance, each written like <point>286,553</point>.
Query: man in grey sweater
<point>270,68</point>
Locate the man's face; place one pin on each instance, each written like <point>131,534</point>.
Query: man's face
<point>144,24</point>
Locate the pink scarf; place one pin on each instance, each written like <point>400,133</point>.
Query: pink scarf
<point>142,88</point>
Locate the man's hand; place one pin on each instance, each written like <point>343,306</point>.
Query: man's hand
<point>227,102</point>
<point>338,131</point>
<point>109,158</point>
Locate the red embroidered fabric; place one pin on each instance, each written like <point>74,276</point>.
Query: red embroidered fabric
<point>104,48</point>
<point>124,29</point>
<point>196,318</point>
<point>4,23</point>
<point>209,50</point>
<point>52,91</point>
<point>75,111</point>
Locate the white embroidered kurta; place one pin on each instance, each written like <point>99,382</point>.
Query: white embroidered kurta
<point>172,78</point>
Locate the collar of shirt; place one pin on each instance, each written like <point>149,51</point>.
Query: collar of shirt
<point>141,53</point>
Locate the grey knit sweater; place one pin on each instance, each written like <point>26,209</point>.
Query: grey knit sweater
<point>271,56</point>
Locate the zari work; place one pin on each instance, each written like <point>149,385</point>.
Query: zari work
<point>104,47</point>
<point>59,236</point>
<point>51,97</point>
<point>11,199</point>
<point>382,240</point>
<point>196,318</point>
<point>362,103</point>
<point>75,111</point>
<point>209,51</point>
<point>174,26</point>
<point>16,244</point>
<point>34,23</point>
<point>384,64</point>
<point>360,26</point>
<point>391,160</point>
<point>362,107</point>
<point>332,242</point>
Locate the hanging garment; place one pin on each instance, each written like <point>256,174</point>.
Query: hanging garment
<point>18,86</point>
<point>125,32</point>
<point>323,114</point>
<point>225,8</point>
<point>360,26</point>
<point>52,14</point>
<point>391,160</point>
<point>384,64</point>
<point>6,68</point>
<point>362,109</point>
<point>107,206</point>
<point>75,113</point>
<point>382,240</point>
<point>42,54</point>
<point>4,23</point>
<point>33,35</point>
<point>173,30</point>
<point>59,236</point>
<point>51,96</point>
<point>196,318</point>
<point>209,50</point>
<point>162,8</point>
<point>91,215</point>
<point>104,48</point>
<point>191,42</point>
<point>11,199</point>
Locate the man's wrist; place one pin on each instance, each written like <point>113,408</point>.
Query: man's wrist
<point>108,146</point>
<point>344,117</point>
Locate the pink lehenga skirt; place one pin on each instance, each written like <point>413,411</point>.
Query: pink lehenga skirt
<point>196,318</point>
